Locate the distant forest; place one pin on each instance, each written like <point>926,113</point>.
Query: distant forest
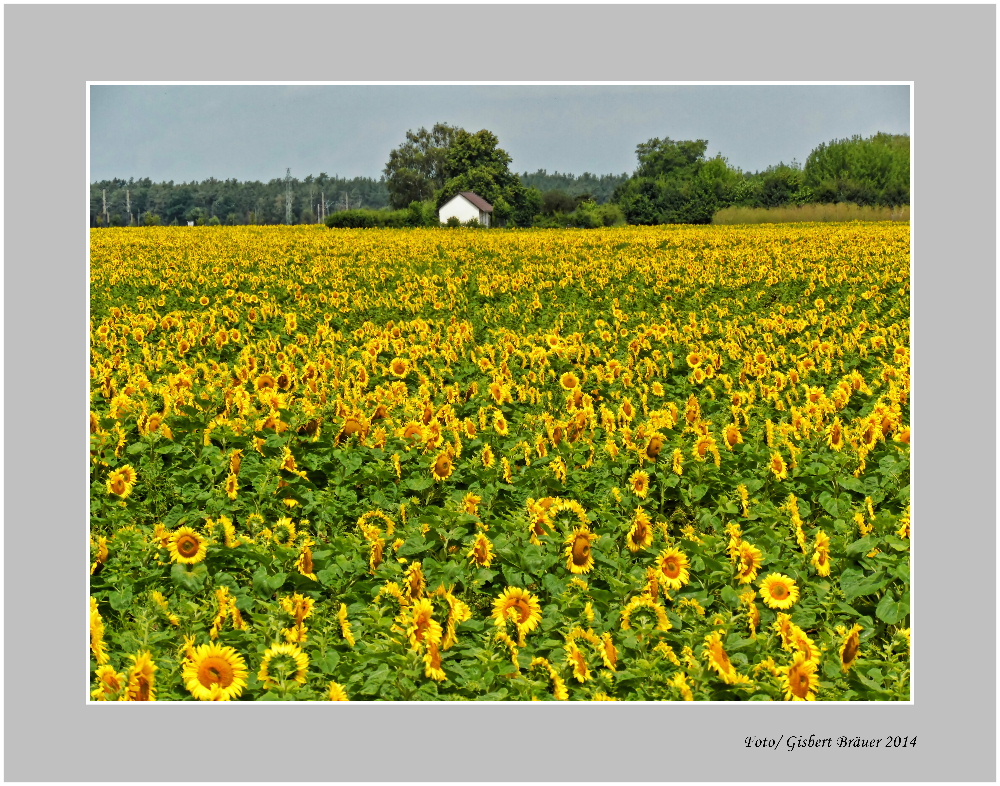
<point>313,198</point>
<point>674,183</point>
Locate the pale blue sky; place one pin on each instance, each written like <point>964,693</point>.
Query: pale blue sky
<point>253,132</point>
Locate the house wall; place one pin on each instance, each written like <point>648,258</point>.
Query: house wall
<point>462,208</point>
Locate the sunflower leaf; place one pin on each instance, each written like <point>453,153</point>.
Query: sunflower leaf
<point>890,610</point>
<point>192,580</point>
<point>862,546</point>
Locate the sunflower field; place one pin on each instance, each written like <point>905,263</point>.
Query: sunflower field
<point>638,463</point>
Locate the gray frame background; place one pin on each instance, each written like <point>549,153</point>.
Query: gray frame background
<point>949,52</point>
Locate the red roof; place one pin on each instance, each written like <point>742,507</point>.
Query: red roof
<point>477,200</point>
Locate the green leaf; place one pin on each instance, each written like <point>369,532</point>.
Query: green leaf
<point>862,546</point>
<point>730,597</point>
<point>836,507</point>
<point>327,663</point>
<point>276,581</point>
<point>419,484</point>
<point>192,580</point>
<point>897,544</point>
<point>375,680</point>
<point>120,599</point>
<point>413,546</point>
<point>855,584</point>
<point>514,578</point>
<point>890,610</point>
<point>852,484</point>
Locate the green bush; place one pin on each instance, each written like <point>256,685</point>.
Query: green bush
<point>364,219</point>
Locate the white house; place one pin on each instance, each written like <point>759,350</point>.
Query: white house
<point>466,206</point>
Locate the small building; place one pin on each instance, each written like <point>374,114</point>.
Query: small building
<point>466,206</point>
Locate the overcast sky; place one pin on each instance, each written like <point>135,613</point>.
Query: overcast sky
<point>254,132</point>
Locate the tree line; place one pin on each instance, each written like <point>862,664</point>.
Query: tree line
<point>674,182</point>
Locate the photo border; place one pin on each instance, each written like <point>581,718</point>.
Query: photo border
<point>948,52</point>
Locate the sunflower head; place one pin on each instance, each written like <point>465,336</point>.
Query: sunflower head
<point>674,569</point>
<point>778,466</point>
<point>576,659</point>
<point>640,483</point>
<point>482,551</point>
<point>732,436</point>
<point>800,679</point>
<point>640,536</point>
<point>187,547</point>
<point>399,367</point>
<point>518,606</point>
<point>215,672</point>
<point>283,662</point>
<point>779,591</point>
<point>653,447</point>
<point>579,558</point>
<point>569,381</point>
<point>850,648</point>
<point>337,692</point>
<point>444,466</point>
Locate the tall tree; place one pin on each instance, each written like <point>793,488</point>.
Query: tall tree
<point>476,162</point>
<point>675,184</point>
<point>416,169</point>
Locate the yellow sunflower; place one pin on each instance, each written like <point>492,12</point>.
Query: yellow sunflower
<point>731,436</point>
<point>653,447</point>
<point>285,533</point>
<point>215,672</point>
<point>414,581</point>
<point>399,367</point>
<point>569,381</point>
<point>835,435</point>
<point>779,591</point>
<point>645,602</point>
<point>640,483</point>
<point>294,668</point>
<point>141,682</point>
<point>718,660</point>
<point>640,536</point>
<point>778,466</point>
<point>518,606</point>
<point>423,628</point>
<point>608,652</point>
<point>821,553</point>
<point>187,547</point>
<point>444,466</point>
<point>488,458</point>
<point>481,552</point>
<point>109,684</point>
<point>576,659</point>
<point>337,692</point>
<point>470,503</point>
<point>750,560</point>
<point>413,432</point>
<point>345,625</point>
<point>800,679</point>
<point>122,481</point>
<point>850,648</point>
<point>266,382</point>
<point>433,662</point>
<point>673,566</point>
<point>579,558</point>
